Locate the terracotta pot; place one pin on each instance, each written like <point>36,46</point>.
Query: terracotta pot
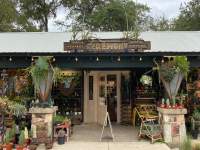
<point>198,84</point>
<point>8,146</point>
<point>162,106</point>
<point>20,147</point>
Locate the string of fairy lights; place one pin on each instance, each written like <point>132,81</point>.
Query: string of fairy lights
<point>98,59</point>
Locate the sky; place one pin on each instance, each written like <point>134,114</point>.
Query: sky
<point>167,8</point>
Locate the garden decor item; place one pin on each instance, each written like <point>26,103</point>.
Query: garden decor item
<point>7,141</point>
<point>61,137</point>
<point>21,145</point>
<point>44,75</point>
<point>172,73</point>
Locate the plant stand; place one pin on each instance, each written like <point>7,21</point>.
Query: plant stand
<point>173,125</point>
<point>42,124</point>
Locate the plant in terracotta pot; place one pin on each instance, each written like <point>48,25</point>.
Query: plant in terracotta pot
<point>172,73</point>
<point>21,143</point>
<point>43,76</point>
<point>7,141</point>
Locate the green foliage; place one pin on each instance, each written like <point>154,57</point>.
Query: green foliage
<point>39,11</point>
<point>17,109</point>
<point>7,137</point>
<point>182,64</point>
<point>11,19</point>
<point>111,15</point>
<point>189,17</point>
<point>170,68</point>
<point>58,119</point>
<point>186,144</point>
<point>40,71</point>
<point>21,138</point>
<point>160,24</point>
<point>196,114</point>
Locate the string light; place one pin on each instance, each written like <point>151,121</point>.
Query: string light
<point>10,59</point>
<point>162,60</point>
<point>54,59</point>
<point>76,59</point>
<point>118,59</point>
<point>140,58</point>
<point>97,59</point>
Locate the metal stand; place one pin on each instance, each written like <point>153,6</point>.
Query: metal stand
<point>107,118</point>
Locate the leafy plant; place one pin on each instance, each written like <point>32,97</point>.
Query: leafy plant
<point>43,75</point>
<point>7,137</point>
<point>21,138</point>
<point>58,118</point>
<point>186,144</point>
<point>196,114</point>
<point>17,109</point>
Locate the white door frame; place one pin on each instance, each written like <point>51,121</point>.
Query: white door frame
<point>91,106</point>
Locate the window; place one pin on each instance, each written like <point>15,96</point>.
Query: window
<point>91,89</point>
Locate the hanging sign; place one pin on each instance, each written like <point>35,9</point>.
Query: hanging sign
<point>107,45</point>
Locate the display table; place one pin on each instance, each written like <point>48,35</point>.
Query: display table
<point>173,125</point>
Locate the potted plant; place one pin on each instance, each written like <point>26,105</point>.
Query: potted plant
<point>21,145</point>
<point>43,76</point>
<point>172,73</point>
<point>7,141</point>
<point>195,123</point>
<point>61,137</point>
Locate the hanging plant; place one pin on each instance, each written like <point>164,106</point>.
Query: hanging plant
<point>146,80</point>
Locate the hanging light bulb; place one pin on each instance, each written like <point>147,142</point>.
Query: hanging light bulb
<point>162,60</point>
<point>54,59</point>
<point>118,59</point>
<point>76,59</point>
<point>32,59</point>
<point>140,58</point>
<point>97,59</point>
<point>10,59</point>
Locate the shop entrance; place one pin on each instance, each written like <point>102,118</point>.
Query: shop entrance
<point>108,94</point>
<point>102,93</point>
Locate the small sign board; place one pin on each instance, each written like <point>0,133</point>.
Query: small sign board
<point>107,45</point>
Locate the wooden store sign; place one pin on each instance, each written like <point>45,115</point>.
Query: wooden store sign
<point>108,45</point>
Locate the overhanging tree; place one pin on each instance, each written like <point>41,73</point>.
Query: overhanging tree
<point>40,11</point>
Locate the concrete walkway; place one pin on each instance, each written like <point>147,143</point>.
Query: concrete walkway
<point>111,146</point>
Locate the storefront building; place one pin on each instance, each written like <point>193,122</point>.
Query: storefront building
<point>109,68</point>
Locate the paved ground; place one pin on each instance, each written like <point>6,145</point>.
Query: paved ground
<point>87,137</point>
<point>111,146</point>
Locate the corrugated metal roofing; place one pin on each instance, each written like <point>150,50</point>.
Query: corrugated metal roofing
<point>172,41</point>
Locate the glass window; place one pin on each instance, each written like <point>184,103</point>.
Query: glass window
<point>91,89</point>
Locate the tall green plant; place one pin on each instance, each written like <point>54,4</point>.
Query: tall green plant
<point>43,75</point>
<point>172,73</point>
